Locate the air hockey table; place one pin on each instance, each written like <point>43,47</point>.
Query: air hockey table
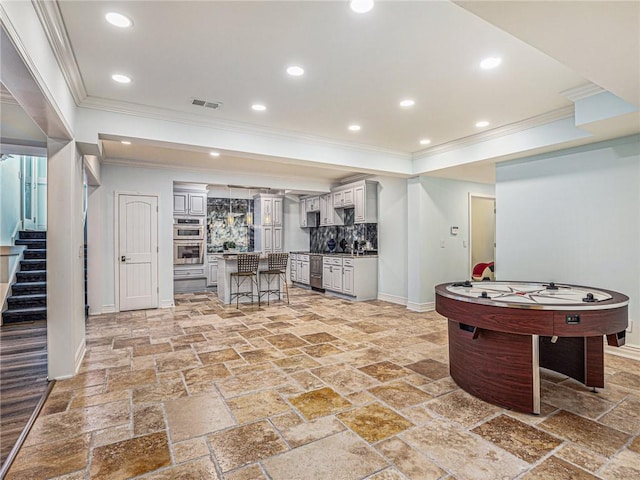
<point>501,333</point>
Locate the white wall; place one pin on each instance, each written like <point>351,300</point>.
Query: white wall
<point>447,205</point>
<point>573,216</point>
<point>295,238</point>
<point>9,198</point>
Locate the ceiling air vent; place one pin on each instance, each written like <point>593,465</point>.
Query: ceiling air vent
<point>206,103</point>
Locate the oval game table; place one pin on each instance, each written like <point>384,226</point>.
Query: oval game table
<point>501,333</point>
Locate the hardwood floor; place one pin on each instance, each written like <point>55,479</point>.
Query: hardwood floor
<point>23,378</point>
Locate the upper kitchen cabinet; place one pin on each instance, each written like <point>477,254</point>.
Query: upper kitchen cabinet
<point>269,209</point>
<point>309,205</point>
<point>328,214</point>
<point>187,202</point>
<point>362,196</point>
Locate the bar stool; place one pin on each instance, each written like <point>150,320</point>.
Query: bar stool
<point>247,269</point>
<point>276,270</point>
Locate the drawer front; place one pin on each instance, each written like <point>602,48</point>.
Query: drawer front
<point>348,262</point>
<point>303,258</point>
<point>196,272</point>
<point>332,261</point>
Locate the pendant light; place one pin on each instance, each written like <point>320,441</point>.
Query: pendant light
<point>230,215</point>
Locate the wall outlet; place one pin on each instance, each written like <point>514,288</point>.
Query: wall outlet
<point>630,327</point>
<point>441,243</point>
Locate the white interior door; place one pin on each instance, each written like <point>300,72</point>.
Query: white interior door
<point>41,190</point>
<point>138,251</point>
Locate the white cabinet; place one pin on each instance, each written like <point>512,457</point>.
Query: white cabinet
<point>306,204</point>
<point>328,214</point>
<point>269,223</point>
<point>365,202</point>
<point>303,269</point>
<point>338,199</point>
<point>189,203</point>
<point>293,267</point>
<point>212,270</point>
<point>343,198</point>
<point>356,277</point>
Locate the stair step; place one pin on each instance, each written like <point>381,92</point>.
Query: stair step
<point>28,288</point>
<point>30,243</point>
<point>33,264</point>
<point>35,254</point>
<point>32,276</point>
<point>32,234</point>
<point>24,315</point>
<point>25,301</point>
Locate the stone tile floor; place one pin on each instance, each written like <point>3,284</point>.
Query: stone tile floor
<point>320,388</point>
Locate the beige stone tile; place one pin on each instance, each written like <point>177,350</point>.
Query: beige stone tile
<point>302,433</point>
<point>345,379</point>
<point>448,445</point>
<point>587,433</point>
<point>418,414</point>
<point>384,371</point>
<point>159,392</point>
<point>285,341</point>
<point>321,350</point>
<point>440,387</point>
<point>252,472</point>
<point>413,464</point>
<point>181,360</point>
<point>57,402</point>
<point>205,374</point>
<point>586,404</point>
<point>190,417</point>
<point>635,445</point>
<point>430,368</point>
<point>81,380</point>
<point>153,349</point>
<point>130,458</point>
<point>581,457</point>
<point>522,440</point>
<point>52,459</point>
<point>319,403</point>
<point>627,380</point>
<point>200,469</point>
<point>295,363</point>
<point>351,459</point>
<point>555,468</point>
<point>112,435</point>
<point>82,401</point>
<point>78,421</point>
<point>219,356</point>
<point>190,449</point>
<point>374,422</point>
<point>360,398</point>
<point>125,380</point>
<point>251,382</point>
<point>625,416</point>
<point>320,337</point>
<point>245,445</point>
<point>400,395</point>
<point>463,408</point>
<point>131,342</point>
<point>625,465</point>
<point>147,419</point>
<point>257,406</point>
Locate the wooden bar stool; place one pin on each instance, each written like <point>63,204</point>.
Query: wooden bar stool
<point>247,270</point>
<point>276,271</point>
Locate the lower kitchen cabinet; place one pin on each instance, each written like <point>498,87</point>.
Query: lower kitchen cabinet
<point>355,277</point>
<point>212,270</point>
<point>300,268</point>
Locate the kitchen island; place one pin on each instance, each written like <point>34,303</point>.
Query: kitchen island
<point>227,264</point>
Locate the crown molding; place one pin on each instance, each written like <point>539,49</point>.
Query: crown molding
<point>49,15</point>
<point>510,129</point>
<point>164,114</point>
<point>583,91</point>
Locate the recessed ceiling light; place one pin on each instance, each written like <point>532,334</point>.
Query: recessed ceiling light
<point>354,128</point>
<point>118,20</point>
<point>425,141</point>
<point>407,102</point>
<point>118,77</point>
<point>361,6</point>
<point>258,107</point>
<point>482,123</point>
<point>490,62</point>
<point>295,71</point>
<point>125,142</point>
<point>214,154</point>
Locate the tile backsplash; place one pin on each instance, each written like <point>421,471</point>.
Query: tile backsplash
<point>319,236</point>
<point>220,231</point>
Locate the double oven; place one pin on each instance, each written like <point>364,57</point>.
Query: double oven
<point>188,240</point>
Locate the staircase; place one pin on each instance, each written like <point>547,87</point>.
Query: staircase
<point>28,300</point>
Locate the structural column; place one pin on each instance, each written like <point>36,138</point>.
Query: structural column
<point>419,292</point>
<point>65,259</point>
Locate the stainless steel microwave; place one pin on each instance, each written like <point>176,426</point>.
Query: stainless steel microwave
<point>188,252</point>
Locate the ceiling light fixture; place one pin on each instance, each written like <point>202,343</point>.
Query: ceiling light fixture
<point>214,154</point>
<point>258,107</point>
<point>118,77</point>
<point>361,6</point>
<point>295,71</point>
<point>482,123</point>
<point>125,142</point>
<point>490,62</point>
<point>354,128</point>
<point>118,20</point>
<point>406,103</point>
<point>425,141</point>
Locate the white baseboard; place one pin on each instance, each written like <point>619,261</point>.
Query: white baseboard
<point>385,297</point>
<point>107,309</point>
<point>421,307</point>
<point>627,351</point>
<point>167,304</point>
<point>82,349</point>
